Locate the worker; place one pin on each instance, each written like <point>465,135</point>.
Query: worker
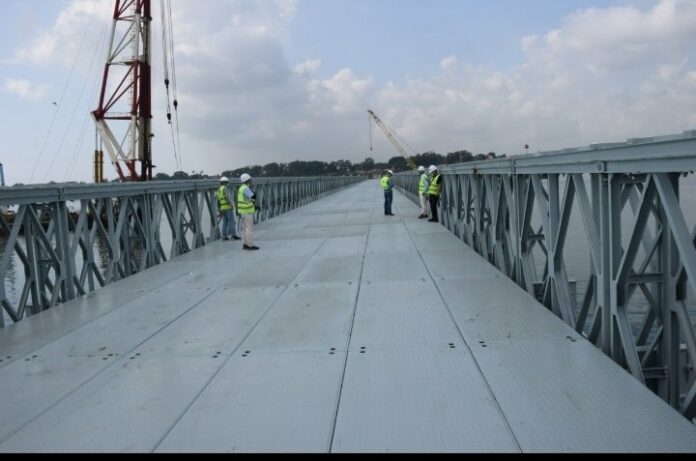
<point>423,185</point>
<point>434,191</point>
<point>246,207</point>
<point>387,184</point>
<point>225,210</point>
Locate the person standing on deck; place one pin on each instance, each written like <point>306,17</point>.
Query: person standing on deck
<point>225,210</point>
<point>434,191</point>
<point>246,207</point>
<point>423,185</point>
<point>387,184</point>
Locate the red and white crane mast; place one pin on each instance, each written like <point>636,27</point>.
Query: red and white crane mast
<point>124,115</point>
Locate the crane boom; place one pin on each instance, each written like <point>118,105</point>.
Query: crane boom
<point>393,140</point>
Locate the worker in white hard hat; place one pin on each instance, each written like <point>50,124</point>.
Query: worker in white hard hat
<point>246,207</point>
<point>226,210</point>
<point>434,191</point>
<point>423,185</point>
<point>387,184</point>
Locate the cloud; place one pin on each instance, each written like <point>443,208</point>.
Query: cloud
<point>602,74</point>
<point>25,89</point>
<point>75,26</point>
<point>605,74</point>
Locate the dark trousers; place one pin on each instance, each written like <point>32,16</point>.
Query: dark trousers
<point>433,206</point>
<point>388,198</point>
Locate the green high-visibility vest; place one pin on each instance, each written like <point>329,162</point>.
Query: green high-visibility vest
<point>435,185</point>
<point>222,200</point>
<point>385,182</point>
<point>421,184</point>
<point>244,206</point>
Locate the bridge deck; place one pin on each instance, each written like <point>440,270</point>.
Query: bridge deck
<point>348,331</point>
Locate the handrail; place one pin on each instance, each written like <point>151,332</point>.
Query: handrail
<point>57,249</point>
<point>517,211</point>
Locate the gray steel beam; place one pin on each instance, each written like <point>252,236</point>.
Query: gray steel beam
<point>501,203</point>
<point>127,219</point>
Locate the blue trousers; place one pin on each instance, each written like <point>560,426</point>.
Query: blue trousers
<point>388,198</point>
<point>228,224</point>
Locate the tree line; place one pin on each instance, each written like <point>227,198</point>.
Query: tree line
<point>338,167</point>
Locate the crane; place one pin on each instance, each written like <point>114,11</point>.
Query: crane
<point>123,117</point>
<point>411,164</point>
<point>126,92</point>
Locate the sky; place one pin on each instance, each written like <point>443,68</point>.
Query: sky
<point>279,80</point>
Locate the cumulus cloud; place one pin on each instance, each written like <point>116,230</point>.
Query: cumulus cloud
<point>60,43</point>
<point>606,74</point>
<point>25,89</point>
<point>602,74</point>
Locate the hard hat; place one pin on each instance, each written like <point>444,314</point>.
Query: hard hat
<point>224,179</point>
<point>421,168</point>
<point>390,172</point>
<point>245,177</point>
<point>432,168</point>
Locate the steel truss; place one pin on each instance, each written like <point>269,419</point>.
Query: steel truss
<point>117,231</point>
<point>516,213</point>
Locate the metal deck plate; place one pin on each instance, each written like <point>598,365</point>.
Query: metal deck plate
<point>569,397</point>
<point>53,371</point>
<point>261,352</point>
<point>418,400</point>
<point>343,246</point>
<point>404,315</point>
<point>384,266</point>
<point>511,314</point>
<point>429,241</point>
<point>132,404</point>
<point>454,264</point>
<point>387,244</point>
<point>314,317</point>
<point>331,269</point>
<point>278,402</point>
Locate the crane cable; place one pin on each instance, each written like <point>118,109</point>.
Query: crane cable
<point>174,82</point>
<point>167,59</point>
<point>62,95</point>
<point>93,93</point>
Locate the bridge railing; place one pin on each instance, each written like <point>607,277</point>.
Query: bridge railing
<point>516,212</point>
<point>63,241</point>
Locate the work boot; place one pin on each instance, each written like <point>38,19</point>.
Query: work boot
<point>236,237</point>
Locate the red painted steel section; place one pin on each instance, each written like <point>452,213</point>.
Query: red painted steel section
<point>138,80</point>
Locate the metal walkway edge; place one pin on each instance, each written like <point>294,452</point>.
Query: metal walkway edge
<point>349,331</point>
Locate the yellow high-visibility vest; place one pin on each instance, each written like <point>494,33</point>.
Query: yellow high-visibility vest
<point>385,182</point>
<point>222,200</point>
<point>421,184</point>
<point>244,206</point>
<point>435,185</point>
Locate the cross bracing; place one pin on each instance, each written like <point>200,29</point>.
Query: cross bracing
<point>516,212</point>
<point>118,230</point>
